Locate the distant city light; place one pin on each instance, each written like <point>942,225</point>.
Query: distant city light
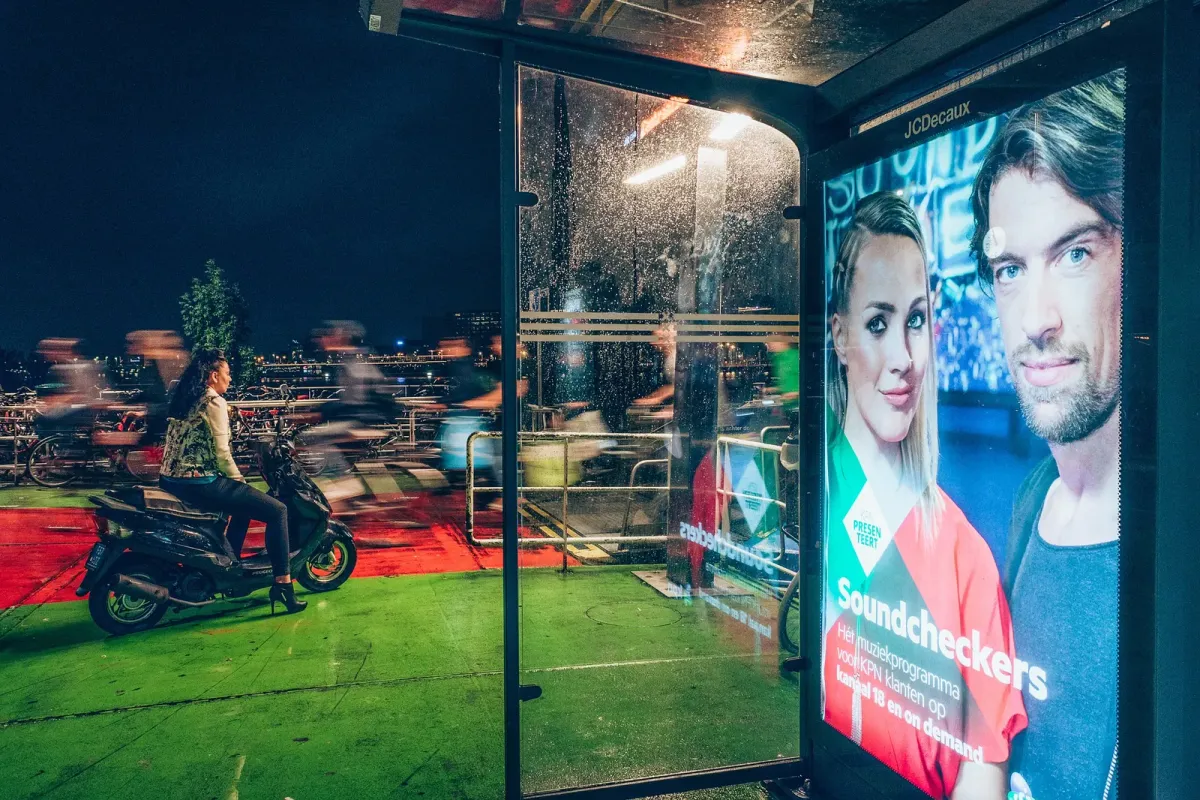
<point>730,126</point>
<point>665,168</point>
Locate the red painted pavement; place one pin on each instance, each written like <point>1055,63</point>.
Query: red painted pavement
<point>43,549</point>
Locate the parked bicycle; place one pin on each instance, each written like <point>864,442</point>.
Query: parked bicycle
<point>105,447</point>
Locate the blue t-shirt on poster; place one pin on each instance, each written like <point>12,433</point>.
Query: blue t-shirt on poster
<point>1064,612</point>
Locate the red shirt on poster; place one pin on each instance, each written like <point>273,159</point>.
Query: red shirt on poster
<point>955,581</point>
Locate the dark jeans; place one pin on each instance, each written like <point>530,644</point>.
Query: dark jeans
<point>242,503</point>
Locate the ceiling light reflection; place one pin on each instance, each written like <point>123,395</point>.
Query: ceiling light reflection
<point>650,174</point>
<point>730,126</point>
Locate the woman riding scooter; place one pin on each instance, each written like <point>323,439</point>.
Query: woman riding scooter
<point>198,467</point>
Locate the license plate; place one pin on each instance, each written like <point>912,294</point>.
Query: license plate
<point>97,555</point>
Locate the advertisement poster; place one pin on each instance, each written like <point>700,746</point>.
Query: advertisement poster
<point>971,548</point>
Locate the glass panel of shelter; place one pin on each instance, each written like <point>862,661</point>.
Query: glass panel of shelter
<point>804,41</point>
<point>658,339</point>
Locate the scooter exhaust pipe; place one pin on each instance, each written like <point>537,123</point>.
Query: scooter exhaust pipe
<point>143,589</point>
<point>153,592</point>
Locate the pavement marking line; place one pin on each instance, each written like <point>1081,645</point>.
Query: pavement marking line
<point>590,550</point>
<point>232,794</point>
<point>575,549</point>
<point>11,611</point>
<point>524,512</point>
<point>646,662</point>
<point>374,683</point>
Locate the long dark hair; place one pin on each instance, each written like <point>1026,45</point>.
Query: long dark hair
<point>193,383</point>
<point>1075,137</point>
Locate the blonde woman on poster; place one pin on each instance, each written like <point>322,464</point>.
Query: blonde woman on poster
<point>918,662</point>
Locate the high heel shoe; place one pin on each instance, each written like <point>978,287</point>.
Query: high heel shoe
<point>285,593</point>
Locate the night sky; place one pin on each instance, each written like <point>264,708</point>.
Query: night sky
<point>333,173</point>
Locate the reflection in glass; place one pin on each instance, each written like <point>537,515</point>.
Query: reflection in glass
<point>806,41</point>
<point>477,9</point>
<point>658,321</point>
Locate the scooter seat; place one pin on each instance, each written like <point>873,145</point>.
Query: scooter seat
<point>162,501</point>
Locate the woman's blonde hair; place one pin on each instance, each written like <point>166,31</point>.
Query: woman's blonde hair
<point>886,214</point>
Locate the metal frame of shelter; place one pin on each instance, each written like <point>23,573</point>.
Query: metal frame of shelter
<point>1158,650</point>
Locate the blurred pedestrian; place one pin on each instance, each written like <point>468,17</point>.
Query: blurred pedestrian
<point>74,386</point>
<point>361,406</point>
<point>163,362</point>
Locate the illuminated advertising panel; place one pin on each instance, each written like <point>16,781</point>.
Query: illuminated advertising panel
<point>971,547</point>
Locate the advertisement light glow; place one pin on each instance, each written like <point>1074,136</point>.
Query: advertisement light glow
<point>973,360</point>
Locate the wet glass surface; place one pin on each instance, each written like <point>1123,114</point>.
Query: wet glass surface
<point>658,319</point>
<point>805,41</point>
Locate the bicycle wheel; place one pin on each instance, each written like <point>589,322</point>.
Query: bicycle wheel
<point>143,464</point>
<point>53,462</point>
<point>789,618</point>
<point>313,462</point>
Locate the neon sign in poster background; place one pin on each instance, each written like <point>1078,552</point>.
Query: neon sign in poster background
<point>937,179</point>
<point>970,578</point>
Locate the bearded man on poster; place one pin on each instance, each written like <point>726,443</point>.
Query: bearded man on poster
<point>1048,207</point>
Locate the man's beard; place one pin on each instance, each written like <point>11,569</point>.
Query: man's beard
<point>1082,409</point>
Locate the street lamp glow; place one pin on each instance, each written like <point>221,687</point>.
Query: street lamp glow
<point>665,168</point>
<point>399,343</point>
<point>730,126</point>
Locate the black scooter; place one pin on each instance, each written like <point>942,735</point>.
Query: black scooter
<point>156,552</point>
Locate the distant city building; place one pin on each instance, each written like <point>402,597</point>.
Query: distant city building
<point>477,327</point>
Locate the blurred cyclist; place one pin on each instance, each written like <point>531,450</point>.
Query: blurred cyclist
<point>468,383</point>
<point>74,387</point>
<point>472,399</point>
<point>659,404</point>
<point>163,362</point>
<point>361,405</point>
<point>785,372</point>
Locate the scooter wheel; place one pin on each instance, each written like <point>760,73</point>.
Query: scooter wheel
<point>789,618</point>
<point>119,613</point>
<point>326,572</point>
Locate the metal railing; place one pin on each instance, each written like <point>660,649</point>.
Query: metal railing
<point>562,540</point>
<point>414,430</point>
<point>566,489</point>
<point>762,434</point>
<point>723,494</point>
<point>17,427</point>
<point>404,432</point>
<point>719,477</point>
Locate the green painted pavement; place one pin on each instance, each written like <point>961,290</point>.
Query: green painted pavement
<point>392,687</point>
<point>368,742</point>
<point>29,495</point>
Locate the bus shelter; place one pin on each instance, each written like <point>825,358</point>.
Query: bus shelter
<point>863,302</point>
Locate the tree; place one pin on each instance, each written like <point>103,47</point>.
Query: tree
<point>215,315</point>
